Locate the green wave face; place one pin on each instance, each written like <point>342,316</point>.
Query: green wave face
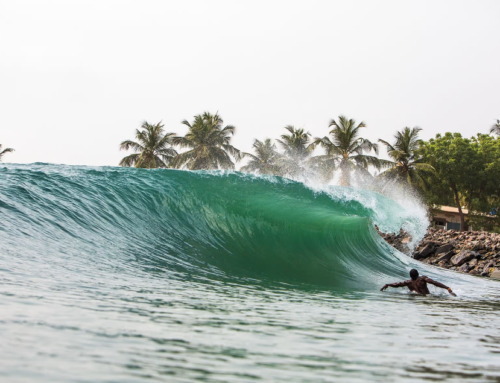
<point>215,225</point>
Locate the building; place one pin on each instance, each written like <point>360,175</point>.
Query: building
<point>447,217</point>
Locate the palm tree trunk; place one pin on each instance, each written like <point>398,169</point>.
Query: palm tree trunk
<point>345,175</point>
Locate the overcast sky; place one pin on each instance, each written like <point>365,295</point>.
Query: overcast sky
<point>78,77</point>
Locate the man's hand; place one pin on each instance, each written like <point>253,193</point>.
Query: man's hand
<point>383,288</point>
<point>451,292</point>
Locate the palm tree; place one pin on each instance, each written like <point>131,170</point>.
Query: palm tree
<point>496,128</point>
<point>209,144</point>
<point>407,165</point>
<point>297,148</point>
<point>152,150</point>
<point>345,148</point>
<point>265,159</point>
<point>6,150</point>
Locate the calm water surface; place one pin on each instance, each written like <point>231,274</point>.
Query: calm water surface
<point>60,327</point>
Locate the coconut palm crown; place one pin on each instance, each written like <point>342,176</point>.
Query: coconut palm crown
<point>6,150</point>
<point>297,148</point>
<point>153,148</point>
<point>407,166</point>
<point>346,148</point>
<point>496,128</point>
<point>209,143</point>
<point>265,159</point>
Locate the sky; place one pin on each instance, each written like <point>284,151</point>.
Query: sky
<point>78,77</point>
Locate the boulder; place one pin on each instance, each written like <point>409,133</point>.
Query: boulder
<point>444,248</point>
<point>473,263</point>
<point>445,257</point>
<point>477,245</point>
<point>425,251</point>
<point>462,257</point>
<point>495,274</point>
<point>487,266</point>
<point>464,268</point>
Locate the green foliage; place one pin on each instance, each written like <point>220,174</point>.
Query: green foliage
<point>407,165</point>
<point>485,222</point>
<point>265,160</point>
<point>6,150</point>
<point>297,149</point>
<point>209,144</point>
<point>345,149</point>
<point>467,170</point>
<point>152,148</point>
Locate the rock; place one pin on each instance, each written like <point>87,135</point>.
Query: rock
<point>462,257</point>
<point>473,263</point>
<point>464,268</point>
<point>486,267</point>
<point>476,245</point>
<point>475,252</point>
<point>445,257</point>
<point>444,248</point>
<point>425,252</point>
<point>495,274</point>
<point>442,264</point>
<point>399,241</point>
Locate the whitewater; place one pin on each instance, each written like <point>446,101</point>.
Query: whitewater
<point>131,275</point>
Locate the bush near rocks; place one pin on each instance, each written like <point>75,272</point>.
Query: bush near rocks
<point>476,253</point>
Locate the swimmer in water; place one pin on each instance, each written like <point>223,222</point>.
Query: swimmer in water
<point>418,284</point>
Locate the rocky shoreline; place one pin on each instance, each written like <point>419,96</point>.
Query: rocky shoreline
<point>476,253</point>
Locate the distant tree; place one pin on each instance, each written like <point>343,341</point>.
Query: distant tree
<point>451,156</point>
<point>297,148</point>
<point>152,148</point>
<point>407,165</point>
<point>496,128</point>
<point>6,150</point>
<point>265,159</point>
<point>467,170</point>
<point>483,188</point>
<point>209,143</point>
<point>346,149</point>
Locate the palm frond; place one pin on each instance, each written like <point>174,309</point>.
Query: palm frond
<point>495,128</point>
<point>129,160</point>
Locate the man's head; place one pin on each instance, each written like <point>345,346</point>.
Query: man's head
<point>413,274</point>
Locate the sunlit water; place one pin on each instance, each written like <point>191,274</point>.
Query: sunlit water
<point>80,302</point>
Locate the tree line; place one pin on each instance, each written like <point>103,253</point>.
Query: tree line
<point>446,170</point>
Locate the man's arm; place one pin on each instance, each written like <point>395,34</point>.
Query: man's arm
<point>397,284</point>
<point>438,284</point>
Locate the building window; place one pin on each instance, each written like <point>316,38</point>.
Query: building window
<point>452,226</point>
<point>439,222</point>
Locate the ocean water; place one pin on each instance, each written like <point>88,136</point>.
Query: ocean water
<point>131,275</point>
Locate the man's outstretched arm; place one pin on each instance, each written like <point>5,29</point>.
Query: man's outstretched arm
<point>397,284</point>
<point>439,284</point>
